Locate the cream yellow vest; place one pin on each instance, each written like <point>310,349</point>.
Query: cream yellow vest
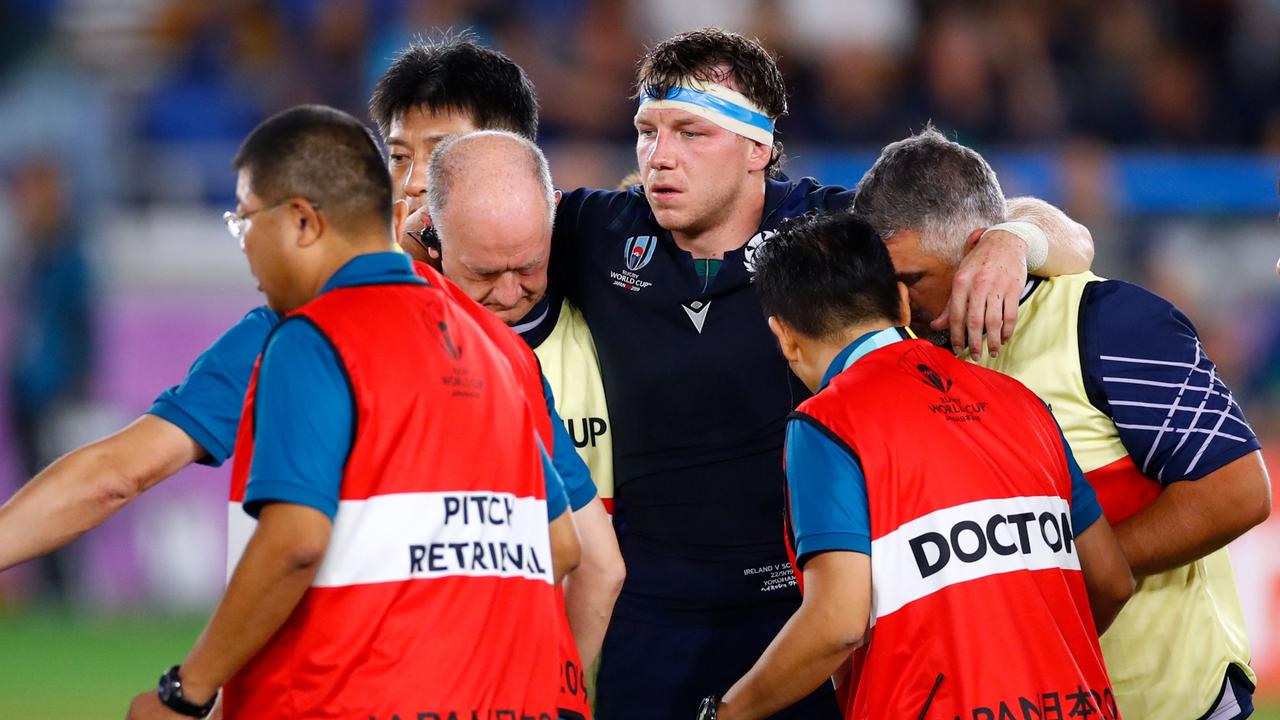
<point>569,362</point>
<point>1169,649</point>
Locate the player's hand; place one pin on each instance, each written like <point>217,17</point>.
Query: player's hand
<point>147,706</point>
<point>985,294</point>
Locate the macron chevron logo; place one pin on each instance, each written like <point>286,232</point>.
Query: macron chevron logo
<point>697,312</point>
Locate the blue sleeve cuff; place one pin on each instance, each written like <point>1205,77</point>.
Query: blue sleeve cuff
<point>581,496</point>
<point>1215,462</point>
<point>828,500</point>
<point>215,452</point>
<point>557,505</point>
<point>1085,507</point>
<point>811,545</point>
<point>574,473</point>
<point>261,492</point>
<point>304,420</point>
<point>557,499</point>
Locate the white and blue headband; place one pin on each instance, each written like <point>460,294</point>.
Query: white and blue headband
<point>723,106</point>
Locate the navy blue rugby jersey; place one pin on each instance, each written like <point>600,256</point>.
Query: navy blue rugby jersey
<point>696,387</point>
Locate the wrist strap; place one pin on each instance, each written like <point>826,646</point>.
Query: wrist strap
<point>170,692</point>
<point>1033,236</point>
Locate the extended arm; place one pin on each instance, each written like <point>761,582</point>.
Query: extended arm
<point>277,567</point>
<point>591,590</point>
<point>82,489</point>
<point>813,644</point>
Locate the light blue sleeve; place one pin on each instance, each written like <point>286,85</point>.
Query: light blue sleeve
<point>208,404</point>
<point>1085,508</point>
<point>304,422</point>
<point>828,493</point>
<point>557,500</point>
<point>573,470</point>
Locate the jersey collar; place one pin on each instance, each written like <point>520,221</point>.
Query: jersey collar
<point>381,268</point>
<point>536,326</point>
<point>864,345</point>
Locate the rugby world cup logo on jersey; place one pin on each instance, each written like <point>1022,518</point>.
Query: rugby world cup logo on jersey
<point>446,341</point>
<point>637,251</point>
<point>954,406</point>
<point>919,364</point>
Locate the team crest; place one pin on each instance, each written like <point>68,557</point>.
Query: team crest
<point>749,250</point>
<point>639,251</point>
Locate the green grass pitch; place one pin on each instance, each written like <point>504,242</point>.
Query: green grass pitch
<point>77,666</point>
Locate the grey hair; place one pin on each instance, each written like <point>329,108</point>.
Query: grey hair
<point>448,159</point>
<point>934,186</point>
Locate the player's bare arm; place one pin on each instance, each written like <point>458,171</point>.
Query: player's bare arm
<point>82,489</point>
<point>278,565</point>
<point>566,549</point>
<point>1070,243</point>
<point>1107,576</point>
<point>829,625</point>
<point>591,590</point>
<point>1192,518</point>
<point>989,281</point>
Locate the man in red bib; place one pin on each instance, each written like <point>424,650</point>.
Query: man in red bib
<point>954,561</point>
<point>400,564</point>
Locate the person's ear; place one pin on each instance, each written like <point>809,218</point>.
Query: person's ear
<point>559,195</point>
<point>904,305</point>
<point>786,339</point>
<point>399,214</point>
<point>972,241</point>
<point>309,221</point>
<point>759,155</point>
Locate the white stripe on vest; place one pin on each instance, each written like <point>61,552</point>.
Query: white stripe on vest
<point>410,536</point>
<point>967,542</point>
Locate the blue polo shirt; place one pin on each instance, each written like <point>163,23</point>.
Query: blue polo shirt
<point>829,508</point>
<point>299,456</point>
<point>572,469</point>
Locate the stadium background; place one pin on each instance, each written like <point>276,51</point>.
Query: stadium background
<point>1155,123</point>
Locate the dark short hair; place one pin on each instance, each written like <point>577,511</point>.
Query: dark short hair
<point>704,55</point>
<point>324,155</point>
<point>455,73</point>
<point>934,186</point>
<point>821,274</point>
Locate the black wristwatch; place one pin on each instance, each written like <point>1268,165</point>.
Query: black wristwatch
<point>709,707</point>
<point>170,692</point>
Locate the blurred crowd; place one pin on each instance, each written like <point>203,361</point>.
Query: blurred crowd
<point>1134,72</point>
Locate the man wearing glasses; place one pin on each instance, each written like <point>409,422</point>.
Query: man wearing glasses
<point>193,422</point>
<point>388,533</point>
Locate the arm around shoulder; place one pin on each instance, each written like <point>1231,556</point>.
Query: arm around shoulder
<point>1192,518</point>
<point>1070,243</point>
